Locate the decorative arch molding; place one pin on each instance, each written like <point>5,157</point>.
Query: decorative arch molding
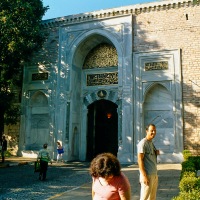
<point>104,33</point>
<point>38,102</point>
<point>92,97</point>
<point>148,86</point>
<point>38,98</point>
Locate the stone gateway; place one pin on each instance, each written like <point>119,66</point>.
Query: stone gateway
<point>101,77</point>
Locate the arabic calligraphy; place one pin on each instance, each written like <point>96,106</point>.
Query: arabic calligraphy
<point>39,76</point>
<point>102,79</point>
<point>156,66</point>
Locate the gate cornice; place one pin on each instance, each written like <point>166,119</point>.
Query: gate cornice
<point>112,95</point>
<point>118,12</point>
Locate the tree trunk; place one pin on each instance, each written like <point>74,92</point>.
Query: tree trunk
<point>1,123</point>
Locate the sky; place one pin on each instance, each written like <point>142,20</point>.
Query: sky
<point>60,8</point>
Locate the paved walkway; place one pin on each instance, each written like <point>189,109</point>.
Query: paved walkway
<point>168,184</point>
<point>169,175</point>
<point>15,160</point>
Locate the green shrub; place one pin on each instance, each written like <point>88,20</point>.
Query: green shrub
<point>189,183</point>
<point>195,160</point>
<point>188,166</point>
<point>191,195</point>
<point>188,174</point>
<point>186,154</point>
<point>7,154</point>
<point>198,183</point>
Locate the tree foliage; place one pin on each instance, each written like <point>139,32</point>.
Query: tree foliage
<point>196,2</point>
<point>20,36</point>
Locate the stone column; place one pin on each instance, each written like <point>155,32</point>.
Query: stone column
<point>83,136</point>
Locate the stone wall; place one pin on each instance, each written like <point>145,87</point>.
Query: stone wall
<point>176,28</point>
<point>49,53</point>
<point>11,133</point>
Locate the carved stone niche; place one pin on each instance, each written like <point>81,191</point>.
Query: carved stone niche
<point>39,103</point>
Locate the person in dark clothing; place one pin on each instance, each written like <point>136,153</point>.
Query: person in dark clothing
<point>3,148</point>
<point>44,158</point>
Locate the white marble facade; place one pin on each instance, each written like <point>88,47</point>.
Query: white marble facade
<point>158,100</point>
<point>57,108</point>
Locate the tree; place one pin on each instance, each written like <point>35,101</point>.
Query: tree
<point>196,2</point>
<point>21,35</point>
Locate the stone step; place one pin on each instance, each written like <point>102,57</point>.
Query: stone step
<point>29,153</point>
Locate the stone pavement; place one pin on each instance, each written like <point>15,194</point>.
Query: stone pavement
<point>15,160</point>
<point>169,175</point>
<point>168,184</point>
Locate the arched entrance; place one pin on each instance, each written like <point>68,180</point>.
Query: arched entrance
<point>102,128</point>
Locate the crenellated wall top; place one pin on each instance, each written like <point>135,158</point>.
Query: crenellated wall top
<point>116,12</point>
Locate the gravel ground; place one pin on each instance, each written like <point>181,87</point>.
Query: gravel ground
<point>20,182</point>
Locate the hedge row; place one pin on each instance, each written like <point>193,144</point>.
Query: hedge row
<point>189,184</point>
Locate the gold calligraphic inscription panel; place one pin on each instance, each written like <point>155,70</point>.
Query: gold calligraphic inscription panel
<point>156,66</point>
<point>103,55</point>
<point>39,76</point>
<point>102,79</point>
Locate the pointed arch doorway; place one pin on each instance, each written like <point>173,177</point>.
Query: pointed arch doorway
<point>102,128</point>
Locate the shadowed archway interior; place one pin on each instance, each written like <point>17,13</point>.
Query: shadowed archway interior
<point>102,134</point>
